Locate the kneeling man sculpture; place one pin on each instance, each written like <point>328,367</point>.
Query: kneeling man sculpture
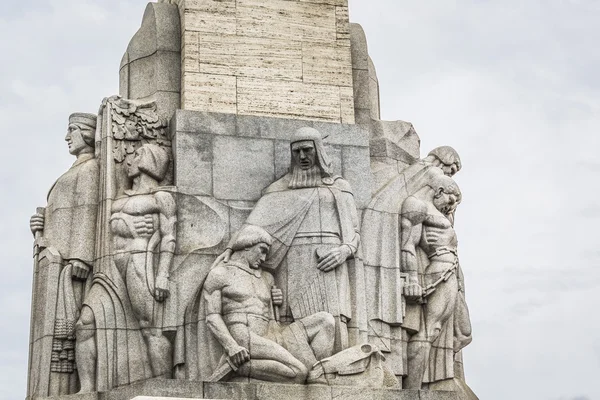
<point>239,301</point>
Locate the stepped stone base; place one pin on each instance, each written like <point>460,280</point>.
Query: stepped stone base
<point>170,389</point>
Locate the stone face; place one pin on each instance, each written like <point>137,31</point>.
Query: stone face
<point>298,51</point>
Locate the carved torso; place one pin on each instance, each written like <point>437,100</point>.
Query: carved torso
<point>126,211</point>
<point>438,234</point>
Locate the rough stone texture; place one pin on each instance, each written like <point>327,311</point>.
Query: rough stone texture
<point>151,67</point>
<point>161,389</point>
<point>393,144</point>
<point>308,295</point>
<point>297,51</point>
<point>200,138</point>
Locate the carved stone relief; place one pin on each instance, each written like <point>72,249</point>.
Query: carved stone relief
<point>64,234</point>
<point>234,249</point>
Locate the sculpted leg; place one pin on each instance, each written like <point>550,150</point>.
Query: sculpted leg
<point>320,328</point>
<point>440,306</point>
<point>86,352</point>
<point>268,360</point>
<point>143,303</point>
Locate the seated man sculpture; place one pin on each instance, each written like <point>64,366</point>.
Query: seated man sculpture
<point>240,299</point>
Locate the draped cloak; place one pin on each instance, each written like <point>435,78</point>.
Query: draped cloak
<point>69,230</point>
<point>280,212</point>
<point>388,314</point>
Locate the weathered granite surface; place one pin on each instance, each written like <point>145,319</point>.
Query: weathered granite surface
<point>267,229</point>
<point>297,51</point>
<point>159,389</point>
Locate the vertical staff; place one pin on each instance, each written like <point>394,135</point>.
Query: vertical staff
<point>36,260</point>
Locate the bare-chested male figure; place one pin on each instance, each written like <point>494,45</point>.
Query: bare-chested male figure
<point>239,298</point>
<point>426,228</point>
<point>143,229</point>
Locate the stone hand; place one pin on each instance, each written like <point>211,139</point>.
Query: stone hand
<point>36,223</point>
<point>238,355</point>
<point>80,270</point>
<point>224,257</point>
<point>413,292</point>
<point>144,225</point>
<point>161,288</point>
<point>277,296</point>
<point>334,258</point>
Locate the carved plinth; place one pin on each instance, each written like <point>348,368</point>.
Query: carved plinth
<point>266,237</point>
<point>165,389</point>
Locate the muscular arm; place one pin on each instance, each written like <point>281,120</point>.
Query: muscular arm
<point>412,216</point>
<point>213,295</point>
<point>167,218</point>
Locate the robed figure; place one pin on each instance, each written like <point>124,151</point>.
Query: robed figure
<point>65,237</point>
<point>312,216</point>
<point>393,321</point>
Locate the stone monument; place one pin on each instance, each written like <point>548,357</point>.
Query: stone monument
<point>239,223</point>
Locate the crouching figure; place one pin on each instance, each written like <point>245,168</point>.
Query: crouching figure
<point>239,306</point>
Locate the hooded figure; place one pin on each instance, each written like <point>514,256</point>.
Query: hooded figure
<point>381,232</point>
<point>312,216</point>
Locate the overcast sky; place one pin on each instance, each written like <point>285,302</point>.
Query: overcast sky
<point>513,85</point>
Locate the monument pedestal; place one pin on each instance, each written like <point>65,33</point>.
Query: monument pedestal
<point>241,210</point>
<point>171,389</point>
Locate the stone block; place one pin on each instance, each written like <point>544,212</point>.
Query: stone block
<point>160,31</point>
<point>205,122</point>
<point>343,3</point>
<point>356,170</point>
<point>289,20</point>
<point>157,387</point>
<point>307,392</point>
<point>437,395</point>
<point>288,99</point>
<point>213,93</point>
<point>234,391</point>
<point>397,140</point>
<point>326,64</point>
<point>335,154</point>
<point>162,398</point>
<point>361,93</point>
<point>360,50</point>
<point>210,16</point>
<point>250,57</point>
<point>192,154</point>
<point>124,77</point>
<point>374,91</point>
<point>189,51</point>
<point>347,105</point>
<point>342,18</point>
<point>234,183</point>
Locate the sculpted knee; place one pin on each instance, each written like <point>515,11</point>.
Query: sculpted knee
<point>301,373</point>
<point>86,324</point>
<point>326,321</point>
